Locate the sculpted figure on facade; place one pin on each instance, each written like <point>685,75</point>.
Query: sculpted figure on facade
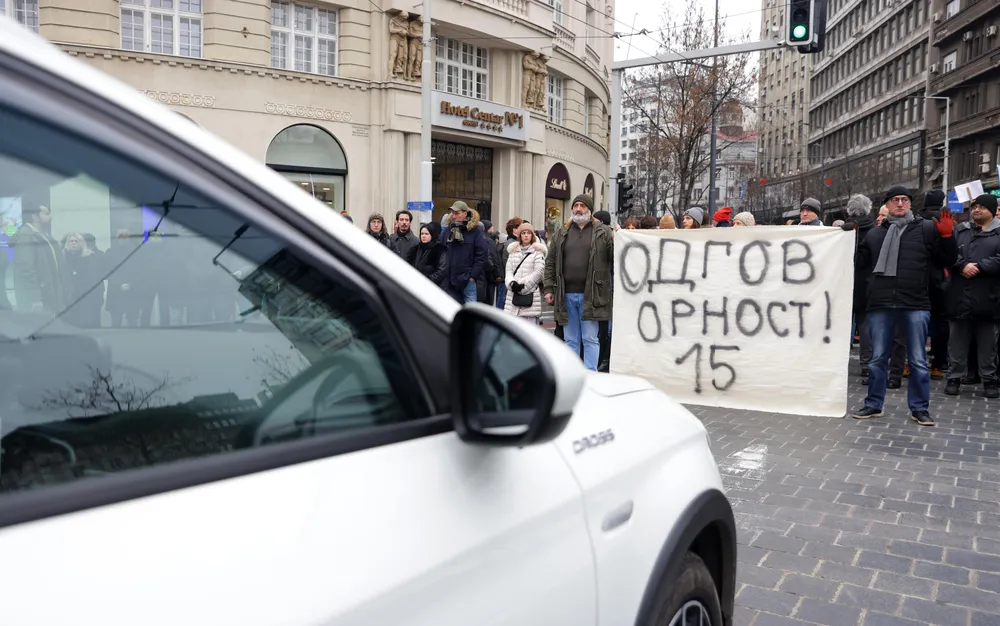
<point>528,79</point>
<point>416,49</point>
<point>541,81</point>
<point>399,30</point>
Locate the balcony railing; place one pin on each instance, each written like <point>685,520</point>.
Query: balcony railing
<point>989,118</point>
<point>964,73</point>
<point>511,7</point>
<point>593,60</point>
<point>564,39</point>
<point>962,20</point>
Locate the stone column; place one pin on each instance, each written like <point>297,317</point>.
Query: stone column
<point>237,30</point>
<point>526,196</point>
<point>539,172</point>
<point>392,179</point>
<point>355,44</point>
<point>91,23</point>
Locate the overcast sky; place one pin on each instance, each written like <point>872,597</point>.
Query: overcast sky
<point>742,15</point>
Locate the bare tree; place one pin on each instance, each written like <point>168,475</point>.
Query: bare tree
<point>104,394</point>
<point>277,368</point>
<point>677,101</point>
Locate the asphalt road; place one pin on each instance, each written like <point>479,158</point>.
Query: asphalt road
<point>878,522</point>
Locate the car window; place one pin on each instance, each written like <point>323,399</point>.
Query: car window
<point>142,323</point>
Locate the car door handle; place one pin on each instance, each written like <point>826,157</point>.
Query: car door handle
<point>618,516</point>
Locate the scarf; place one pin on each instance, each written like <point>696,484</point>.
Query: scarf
<point>888,256</point>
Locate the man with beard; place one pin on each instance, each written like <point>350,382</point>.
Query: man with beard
<point>577,278</point>
<point>402,240</point>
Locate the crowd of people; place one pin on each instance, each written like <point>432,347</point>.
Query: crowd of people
<point>919,277</point>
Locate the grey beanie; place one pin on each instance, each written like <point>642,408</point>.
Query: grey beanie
<point>859,205</point>
<point>813,205</point>
<point>696,214</point>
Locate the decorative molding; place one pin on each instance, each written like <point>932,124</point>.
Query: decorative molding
<point>553,128</point>
<point>560,154</point>
<point>182,99</point>
<point>315,113</point>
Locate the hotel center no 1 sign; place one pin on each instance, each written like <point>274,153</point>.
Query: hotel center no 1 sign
<point>482,117</point>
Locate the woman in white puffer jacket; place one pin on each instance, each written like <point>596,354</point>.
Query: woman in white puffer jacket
<point>525,266</point>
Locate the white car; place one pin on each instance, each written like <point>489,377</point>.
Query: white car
<point>276,421</point>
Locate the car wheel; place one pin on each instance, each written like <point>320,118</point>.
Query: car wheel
<point>692,599</point>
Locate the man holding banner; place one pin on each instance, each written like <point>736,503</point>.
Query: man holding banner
<point>902,251</point>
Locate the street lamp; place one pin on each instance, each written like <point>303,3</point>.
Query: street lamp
<point>947,138</point>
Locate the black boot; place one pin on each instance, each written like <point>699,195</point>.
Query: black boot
<point>953,387</point>
<point>990,389</point>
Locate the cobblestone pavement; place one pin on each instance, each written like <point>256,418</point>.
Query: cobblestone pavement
<point>873,522</point>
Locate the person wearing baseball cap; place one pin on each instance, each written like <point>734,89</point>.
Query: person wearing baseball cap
<point>900,252</point>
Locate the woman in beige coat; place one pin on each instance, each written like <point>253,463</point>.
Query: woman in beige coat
<point>525,266</point>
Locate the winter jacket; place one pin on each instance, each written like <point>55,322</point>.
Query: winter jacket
<point>863,225</point>
<point>919,247</point>
<point>402,244</point>
<point>977,297</point>
<point>467,258</point>
<point>40,272</point>
<point>597,292</point>
<point>529,274</point>
<point>937,276</point>
<point>431,260</point>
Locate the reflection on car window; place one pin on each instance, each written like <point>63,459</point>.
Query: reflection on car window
<point>141,323</point>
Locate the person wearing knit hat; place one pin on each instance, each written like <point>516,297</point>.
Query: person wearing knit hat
<point>723,217</point>
<point>744,219</point>
<point>810,212</point>
<point>974,317</point>
<point>933,203</point>
<point>667,222</point>
<point>577,279</point>
<point>692,218</point>
<point>900,253</point>
<point>604,216</point>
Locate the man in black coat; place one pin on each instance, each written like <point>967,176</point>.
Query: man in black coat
<point>973,298</point>
<point>900,253</point>
<point>859,219</point>
<point>933,202</point>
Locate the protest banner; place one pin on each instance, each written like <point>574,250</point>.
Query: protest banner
<point>745,318</point>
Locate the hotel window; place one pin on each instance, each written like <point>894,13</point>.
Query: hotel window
<point>162,26</point>
<point>304,38</point>
<point>462,69</point>
<point>24,12</point>
<point>557,12</point>
<point>555,99</point>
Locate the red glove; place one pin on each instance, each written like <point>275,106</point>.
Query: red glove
<point>946,225</point>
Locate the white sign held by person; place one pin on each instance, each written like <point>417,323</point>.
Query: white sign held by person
<point>746,318</point>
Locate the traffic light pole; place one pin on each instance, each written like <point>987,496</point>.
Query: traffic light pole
<point>618,70</point>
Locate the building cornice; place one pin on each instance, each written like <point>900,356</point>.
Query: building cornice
<point>560,130</point>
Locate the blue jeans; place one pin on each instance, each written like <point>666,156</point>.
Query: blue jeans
<point>578,327</point>
<point>882,325</point>
<point>501,295</point>
<point>469,294</point>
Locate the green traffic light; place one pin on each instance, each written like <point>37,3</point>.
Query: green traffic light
<point>799,31</point>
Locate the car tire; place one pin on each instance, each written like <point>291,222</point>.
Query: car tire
<point>693,594</point>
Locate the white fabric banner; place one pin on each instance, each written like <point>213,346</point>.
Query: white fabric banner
<point>745,318</point>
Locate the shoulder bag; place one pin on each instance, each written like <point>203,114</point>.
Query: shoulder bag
<point>521,299</point>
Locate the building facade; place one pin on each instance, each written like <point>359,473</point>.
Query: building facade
<point>783,101</point>
<point>866,101</point>
<point>964,67</point>
<point>329,93</point>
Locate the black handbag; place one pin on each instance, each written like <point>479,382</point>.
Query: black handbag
<point>522,299</point>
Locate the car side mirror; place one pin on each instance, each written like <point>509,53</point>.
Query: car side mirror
<point>512,382</point>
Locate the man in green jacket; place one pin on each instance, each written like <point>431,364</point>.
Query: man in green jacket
<point>578,278</point>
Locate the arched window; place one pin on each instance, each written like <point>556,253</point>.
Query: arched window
<point>312,158</point>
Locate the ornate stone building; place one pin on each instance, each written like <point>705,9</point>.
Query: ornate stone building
<point>329,93</point>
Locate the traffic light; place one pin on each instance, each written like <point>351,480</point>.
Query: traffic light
<point>800,22</point>
<point>807,25</point>
<point>625,195</point>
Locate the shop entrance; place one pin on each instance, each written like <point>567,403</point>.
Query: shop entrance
<point>557,193</point>
<point>462,172</point>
